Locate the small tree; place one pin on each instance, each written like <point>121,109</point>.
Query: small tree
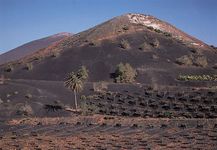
<point>125,73</point>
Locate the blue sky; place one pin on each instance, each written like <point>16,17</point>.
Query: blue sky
<point>22,21</point>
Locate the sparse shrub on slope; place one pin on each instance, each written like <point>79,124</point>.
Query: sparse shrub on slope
<point>9,68</point>
<point>100,86</point>
<point>125,28</point>
<point>55,54</point>
<point>29,66</point>
<point>124,44</point>
<point>125,73</point>
<point>200,61</point>
<point>88,109</point>
<point>25,110</point>
<point>184,60</point>
<point>155,43</point>
<point>82,73</point>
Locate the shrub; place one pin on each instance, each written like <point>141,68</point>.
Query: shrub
<point>184,60</point>
<point>100,86</point>
<point>29,66</point>
<point>155,43</point>
<point>124,44</point>
<point>125,27</point>
<point>150,28</point>
<point>38,58</point>
<point>88,109</point>
<point>55,54</point>
<point>124,73</point>
<point>167,114</point>
<point>157,30</point>
<point>82,73</point>
<point>28,96</point>
<point>25,110</point>
<point>145,47</point>
<point>200,61</point>
<point>167,34</point>
<point>9,68</point>
<point>197,77</point>
<point>83,97</point>
<point>1,101</point>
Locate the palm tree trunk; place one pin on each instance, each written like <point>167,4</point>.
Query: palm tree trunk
<point>76,103</point>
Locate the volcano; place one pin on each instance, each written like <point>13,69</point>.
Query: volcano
<point>157,50</point>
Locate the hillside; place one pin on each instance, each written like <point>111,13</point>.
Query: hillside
<point>31,47</point>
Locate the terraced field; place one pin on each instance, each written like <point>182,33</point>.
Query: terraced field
<point>109,132</point>
<point>157,104</point>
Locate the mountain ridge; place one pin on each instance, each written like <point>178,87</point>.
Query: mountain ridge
<point>31,47</point>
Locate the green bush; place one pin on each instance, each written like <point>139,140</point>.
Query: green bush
<point>158,31</point>
<point>25,110</point>
<point>124,44</point>
<point>29,66</point>
<point>150,28</point>
<point>167,34</point>
<point>55,54</point>
<point>197,77</point>
<point>196,60</point>
<point>125,27</point>
<point>82,73</point>
<point>184,60</point>
<point>9,68</point>
<point>200,61</point>
<point>88,109</point>
<point>28,96</point>
<point>124,73</point>
<point>155,43</point>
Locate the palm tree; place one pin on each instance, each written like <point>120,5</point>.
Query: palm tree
<point>75,84</point>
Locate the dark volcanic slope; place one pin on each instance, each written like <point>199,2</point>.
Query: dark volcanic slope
<point>146,44</point>
<point>31,47</point>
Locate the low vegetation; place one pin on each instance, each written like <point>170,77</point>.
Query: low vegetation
<point>125,28</point>
<point>55,54</point>
<point>87,109</point>
<point>197,77</point>
<point>125,73</point>
<point>200,61</point>
<point>184,60</point>
<point>155,43</point>
<point>29,66</point>
<point>124,44</point>
<point>159,31</point>
<point>100,86</point>
<point>196,60</point>
<point>9,68</point>
<point>25,110</point>
<point>28,96</point>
